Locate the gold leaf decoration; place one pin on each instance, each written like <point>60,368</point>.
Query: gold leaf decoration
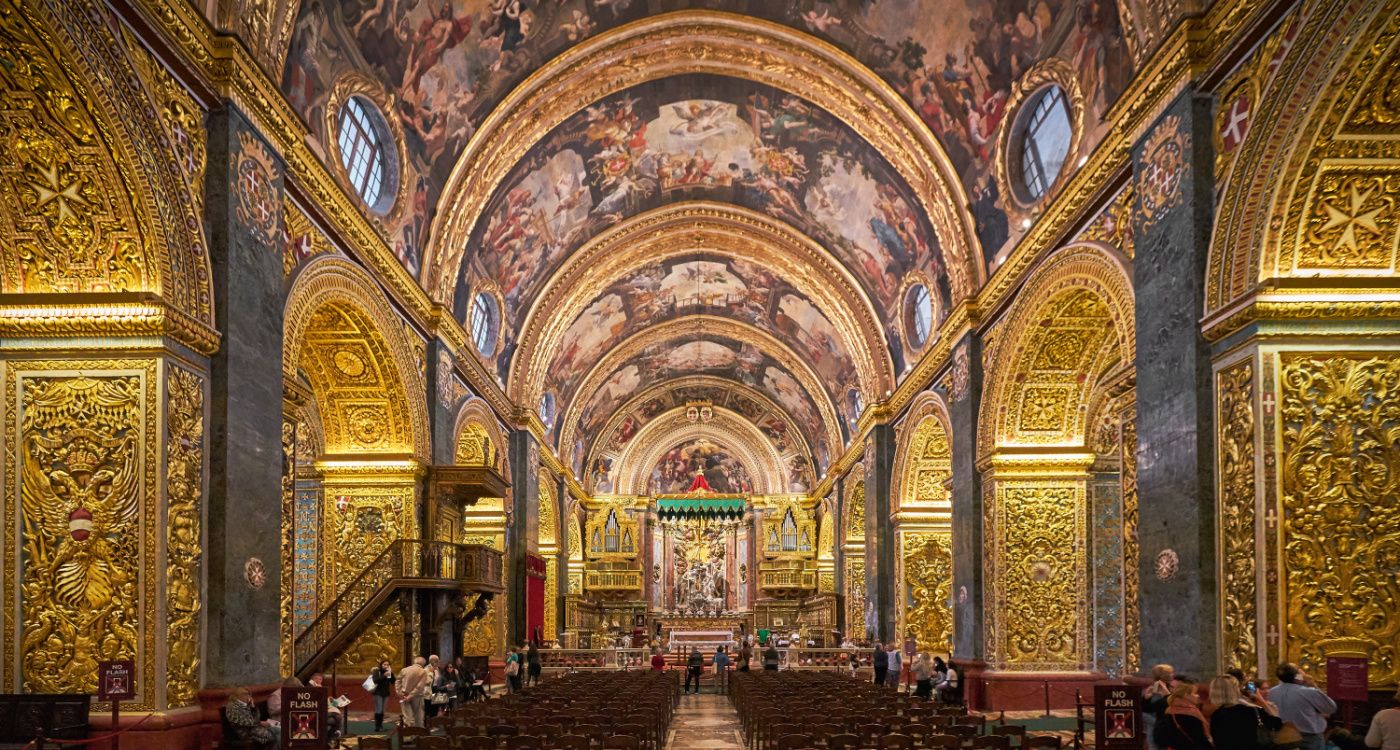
<point>184,456</point>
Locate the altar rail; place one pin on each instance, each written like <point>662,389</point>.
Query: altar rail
<point>577,659</point>
<point>581,659</point>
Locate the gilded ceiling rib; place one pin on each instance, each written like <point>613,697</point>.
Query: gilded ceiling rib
<point>736,434</point>
<point>715,43</point>
<point>688,228</point>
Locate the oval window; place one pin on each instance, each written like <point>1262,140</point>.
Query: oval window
<point>1044,141</point>
<point>919,313</point>
<point>547,410</point>
<point>485,323</point>
<point>367,153</point>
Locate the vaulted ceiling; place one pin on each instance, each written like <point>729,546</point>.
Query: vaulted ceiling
<point>671,206</point>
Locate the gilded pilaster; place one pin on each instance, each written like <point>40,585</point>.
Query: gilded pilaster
<point>1237,523</point>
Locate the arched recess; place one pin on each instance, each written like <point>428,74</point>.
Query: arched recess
<point>687,42</point>
<point>1310,195</point>
<point>341,332</point>
<point>922,517</point>
<point>748,445</point>
<point>479,441</point>
<point>713,328</point>
<point>1071,327</point>
<point>714,229</point>
<point>102,189</point>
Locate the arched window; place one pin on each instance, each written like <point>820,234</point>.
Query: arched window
<point>485,323</point>
<point>1045,140</point>
<point>366,152</point>
<point>547,403</point>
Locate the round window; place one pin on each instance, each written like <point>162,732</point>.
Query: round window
<point>485,323</point>
<point>367,153</point>
<point>918,311</point>
<point>1043,141</point>
<point>547,410</point>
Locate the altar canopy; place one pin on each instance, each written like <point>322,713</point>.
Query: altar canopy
<point>673,508</point>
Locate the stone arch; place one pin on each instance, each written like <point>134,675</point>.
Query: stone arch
<point>95,201</point>
<point>713,42</point>
<point>1310,191</point>
<point>1079,302</point>
<point>749,445</point>
<point>341,332</point>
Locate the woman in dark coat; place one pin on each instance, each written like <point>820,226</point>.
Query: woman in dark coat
<point>1182,727</point>
<point>383,676</point>
<point>1236,722</point>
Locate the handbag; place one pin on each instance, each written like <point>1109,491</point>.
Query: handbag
<point>1263,736</point>
<point>368,684</point>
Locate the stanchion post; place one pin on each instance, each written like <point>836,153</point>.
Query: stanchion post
<point>116,718</point>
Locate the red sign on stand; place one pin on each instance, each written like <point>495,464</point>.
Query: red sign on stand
<point>116,680</point>
<point>1348,678</point>
<point>1118,718</point>
<point>304,718</point>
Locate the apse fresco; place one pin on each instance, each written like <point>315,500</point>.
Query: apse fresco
<point>697,354</point>
<point>713,138</point>
<point>449,62</point>
<point>676,470</point>
<point>706,285</point>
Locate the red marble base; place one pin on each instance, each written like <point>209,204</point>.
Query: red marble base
<point>1031,691</point>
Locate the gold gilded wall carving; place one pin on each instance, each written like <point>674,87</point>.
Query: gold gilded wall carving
<point>551,598</point>
<point>855,512</point>
<point>927,573</point>
<point>1039,620</point>
<point>80,450</point>
<point>184,477</point>
<point>857,626</point>
<point>1132,613</point>
<point>1341,435</point>
<point>549,534</point>
<point>612,532</point>
<point>1234,388</point>
<point>484,636</point>
<point>926,466</point>
<point>382,639</point>
<point>287,545</point>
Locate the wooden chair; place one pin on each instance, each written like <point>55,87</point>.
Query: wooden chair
<point>621,742</point>
<point>572,742</point>
<point>918,732</point>
<point>896,742</point>
<point>408,733</point>
<point>942,740</point>
<point>430,742</point>
<point>963,732</point>
<point>969,720</point>
<point>472,742</point>
<point>872,732</point>
<point>795,742</point>
<point>523,742</point>
<point>843,742</point>
<point>1011,730</point>
<point>1042,741</point>
<point>375,743</point>
<point>997,741</point>
<point>441,721</point>
<point>503,730</point>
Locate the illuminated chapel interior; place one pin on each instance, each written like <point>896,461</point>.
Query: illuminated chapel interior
<point>1060,338</point>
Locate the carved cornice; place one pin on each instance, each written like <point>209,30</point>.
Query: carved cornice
<point>700,227</point>
<point>1345,306</point>
<point>717,327</point>
<point>708,42</point>
<point>734,432</point>
<point>105,316</point>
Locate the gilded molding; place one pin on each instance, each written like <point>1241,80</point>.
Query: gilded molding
<point>120,316</point>
<point>702,42</point>
<point>1132,611</point>
<point>686,228</point>
<point>924,461</point>
<point>184,478</point>
<point>729,429</point>
<point>926,588</point>
<point>1236,521</point>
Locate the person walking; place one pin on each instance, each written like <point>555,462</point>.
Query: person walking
<point>658,660</point>
<point>721,662</point>
<point>414,687</point>
<point>771,658</point>
<point>1182,726</point>
<point>894,671</point>
<point>1235,722</point>
<point>745,655</point>
<point>383,677</point>
<point>1301,704</point>
<point>1385,727</point>
<point>881,662</point>
<point>694,667</point>
<point>533,664</point>
<point>923,677</point>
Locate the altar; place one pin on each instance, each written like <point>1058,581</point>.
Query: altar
<point>706,633</point>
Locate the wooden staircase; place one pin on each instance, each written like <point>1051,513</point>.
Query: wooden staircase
<point>405,565</point>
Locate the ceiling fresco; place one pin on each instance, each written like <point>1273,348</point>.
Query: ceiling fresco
<point>447,63</point>
<point>613,433</point>
<point>694,138</point>
<point>704,284</point>
<point>676,470</point>
<point>698,353</point>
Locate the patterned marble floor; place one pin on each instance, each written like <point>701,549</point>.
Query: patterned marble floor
<point>705,722</point>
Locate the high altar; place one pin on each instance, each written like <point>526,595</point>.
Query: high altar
<point>700,569</point>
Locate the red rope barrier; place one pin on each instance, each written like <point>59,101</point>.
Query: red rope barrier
<point>34,744</point>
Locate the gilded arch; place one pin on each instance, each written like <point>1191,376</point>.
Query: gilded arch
<point>924,461</point>
<point>340,330</point>
<point>478,439</point>
<point>736,433</point>
<point>719,229</point>
<point>703,42</point>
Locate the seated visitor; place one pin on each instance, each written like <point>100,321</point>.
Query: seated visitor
<point>658,660</point>
<point>242,716</point>
<point>335,718</point>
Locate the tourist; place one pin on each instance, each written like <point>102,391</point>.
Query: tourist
<point>512,671</point>
<point>383,677</point>
<point>335,718</point>
<point>745,655</point>
<point>949,688</point>
<point>1236,722</point>
<point>445,688</point>
<point>771,658</point>
<point>532,661</point>
<point>1385,727</point>
<point>721,661</point>
<point>881,663</point>
<point>1182,726</point>
<point>434,670</point>
<point>1154,699</point>
<point>694,667</point>
<point>923,677</point>
<point>895,669</point>
<point>658,660</point>
<point>1301,704</point>
<point>274,700</point>
<point>242,716</point>
<point>414,688</point>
